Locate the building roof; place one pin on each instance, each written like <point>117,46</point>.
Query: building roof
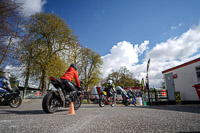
<point>182,65</point>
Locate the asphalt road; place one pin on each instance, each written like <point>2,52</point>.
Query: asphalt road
<point>90,118</point>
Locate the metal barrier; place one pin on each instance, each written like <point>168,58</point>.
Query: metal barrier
<point>33,94</point>
<point>158,96</point>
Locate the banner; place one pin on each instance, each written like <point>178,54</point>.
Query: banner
<point>142,85</point>
<point>147,79</point>
<point>148,65</point>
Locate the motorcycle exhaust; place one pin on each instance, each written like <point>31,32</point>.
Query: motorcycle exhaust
<point>62,96</point>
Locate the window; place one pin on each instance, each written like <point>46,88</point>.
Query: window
<point>198,73</point>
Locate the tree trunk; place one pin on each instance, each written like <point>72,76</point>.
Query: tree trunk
<point>27,78</point>
<point>43,81</point>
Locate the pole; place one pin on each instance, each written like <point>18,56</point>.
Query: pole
<point>147,81</point>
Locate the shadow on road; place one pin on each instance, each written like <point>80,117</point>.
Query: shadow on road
<point>171,108</point>
<point>90,107</point>
<point>32,112</point>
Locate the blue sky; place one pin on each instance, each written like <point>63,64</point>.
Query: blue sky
<point>129,32</point>
<point>100,24</point>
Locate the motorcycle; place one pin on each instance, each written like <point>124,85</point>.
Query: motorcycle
<point>105,99</point>
<point>60,97</point>
<point>12,99</point>
<point>128,97</point>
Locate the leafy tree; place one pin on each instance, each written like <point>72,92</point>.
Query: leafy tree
<point>27,57</point>
<point>123,77</point>
<point>91,64</point>
<point>74,56</point>
<point>52,37</point>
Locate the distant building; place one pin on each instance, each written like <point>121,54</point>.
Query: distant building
<point>181,79</point>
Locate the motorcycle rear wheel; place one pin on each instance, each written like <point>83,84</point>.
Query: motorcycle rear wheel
<point>49,103</point>
<point>15,102</point>
<point>126,103</point>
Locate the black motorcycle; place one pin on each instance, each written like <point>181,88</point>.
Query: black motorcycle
<point>13,99</point>
<point>60,97</point>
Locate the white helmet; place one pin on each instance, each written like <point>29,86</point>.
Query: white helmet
<point>110,81</point>
<point>7,76</point>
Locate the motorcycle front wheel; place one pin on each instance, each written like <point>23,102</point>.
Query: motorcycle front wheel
<point>102,101</point>
<point>113,101</point>
<point>77,103</point>
<point>50,103</point>
<point>15,102</point>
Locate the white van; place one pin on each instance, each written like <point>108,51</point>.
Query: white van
<point>94,95</point>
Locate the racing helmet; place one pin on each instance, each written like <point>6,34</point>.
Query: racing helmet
<point>110,81</point>
<point>73,65</point>
<point>7,76</point>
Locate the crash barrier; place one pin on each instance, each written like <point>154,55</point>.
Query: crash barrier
<point>157,96</point>
<point>32,94</point>
<point>92,97</point>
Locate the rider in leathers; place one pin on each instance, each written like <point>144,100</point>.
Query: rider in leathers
<point>66,79</point>
<point>5,83</point>
<point>110,88</point>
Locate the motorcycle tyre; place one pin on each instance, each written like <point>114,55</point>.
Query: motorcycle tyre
<point>126,103</point>
<point>17,100</point>
<point>77,103</point>
<point>101,102</point>
<point>113,102</point>
<point>45,103</point>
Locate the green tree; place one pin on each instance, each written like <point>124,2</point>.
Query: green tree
<point>123,77</point>
<point>52,38</point>
<point>91,64</point>
<point>27,57</point>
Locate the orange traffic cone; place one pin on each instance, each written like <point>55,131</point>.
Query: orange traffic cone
<point>71,109</point>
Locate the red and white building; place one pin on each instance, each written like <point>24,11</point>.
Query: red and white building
<point>182,78</point>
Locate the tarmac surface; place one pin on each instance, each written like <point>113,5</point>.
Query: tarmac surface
<point>90,118</point>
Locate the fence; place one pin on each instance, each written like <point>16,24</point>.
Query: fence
<point>33,94</point>
<point>157,97</point>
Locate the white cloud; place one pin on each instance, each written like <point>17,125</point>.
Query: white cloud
<point>177,48</point>
<point>165,55</point>
<point>30,7</point>
<point>122,54</point>
<point>177,26</point>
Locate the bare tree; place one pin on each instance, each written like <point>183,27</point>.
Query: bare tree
<point>10,20</point>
